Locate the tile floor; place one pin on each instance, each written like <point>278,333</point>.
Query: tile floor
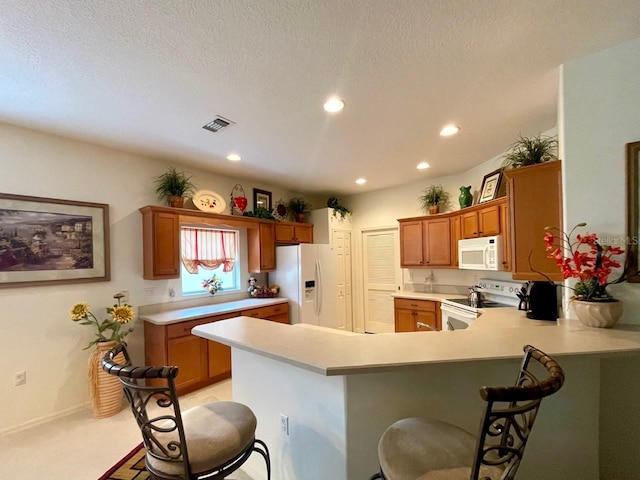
<point>79,447</point>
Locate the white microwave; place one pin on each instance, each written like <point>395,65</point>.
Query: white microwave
<point>484,253</point>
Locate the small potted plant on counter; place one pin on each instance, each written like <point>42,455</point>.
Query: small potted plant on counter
<point>173,185</point>
<point>433,198</point>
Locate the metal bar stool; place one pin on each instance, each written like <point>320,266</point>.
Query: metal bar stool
<point>211,440</point>
<point>421,449</point>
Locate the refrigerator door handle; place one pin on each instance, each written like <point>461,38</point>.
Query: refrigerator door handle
<point>319,293</point>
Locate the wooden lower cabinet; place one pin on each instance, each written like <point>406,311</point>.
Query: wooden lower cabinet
<point>201,362</point>
<point>417,315</point>
<point>189,354</point>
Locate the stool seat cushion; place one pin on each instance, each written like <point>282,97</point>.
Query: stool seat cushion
<point>216,433</point>
<point>421,449</point>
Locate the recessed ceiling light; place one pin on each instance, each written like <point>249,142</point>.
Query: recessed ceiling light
<point>333,105</point>
<point>361,181</point>
<point>423,165</point>
<point>234,157</point>
<point>449,130</point>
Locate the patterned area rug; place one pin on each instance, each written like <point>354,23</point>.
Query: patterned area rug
<point>131,467</point>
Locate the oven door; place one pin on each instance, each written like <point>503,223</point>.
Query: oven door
<point>455,318</point>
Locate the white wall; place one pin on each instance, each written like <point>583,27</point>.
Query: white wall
<point>37,334</point>
<point>599,114</point>
<point>600,109</point>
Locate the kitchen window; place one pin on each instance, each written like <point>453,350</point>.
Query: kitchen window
<point>205,252</point>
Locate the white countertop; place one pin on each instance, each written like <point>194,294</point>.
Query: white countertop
<point>330,352</point>
<point>193,313</point>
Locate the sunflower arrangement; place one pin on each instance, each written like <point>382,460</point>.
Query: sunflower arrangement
<point>110,329</point>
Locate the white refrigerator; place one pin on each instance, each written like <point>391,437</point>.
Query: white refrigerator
<point>308,276</point>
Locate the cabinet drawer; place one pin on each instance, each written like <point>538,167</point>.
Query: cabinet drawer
<point>411,304</point>
<point>281,318</point>
<point>269,311</point>
<point>183,329</point>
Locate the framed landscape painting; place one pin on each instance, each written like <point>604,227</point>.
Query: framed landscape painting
<point>44,241</point>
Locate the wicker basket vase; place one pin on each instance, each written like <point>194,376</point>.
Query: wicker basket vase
<point>105,390</point>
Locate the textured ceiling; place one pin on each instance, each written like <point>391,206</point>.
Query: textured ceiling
<point>145,76</point>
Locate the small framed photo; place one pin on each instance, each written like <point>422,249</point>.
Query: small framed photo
<point>490,186</point>
<point>44,241</point>
<point>261,198</point>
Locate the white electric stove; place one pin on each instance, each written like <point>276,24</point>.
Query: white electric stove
<point>458,314</point>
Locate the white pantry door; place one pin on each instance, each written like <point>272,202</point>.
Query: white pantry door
<point>381,261</point>
<point>341,240</point>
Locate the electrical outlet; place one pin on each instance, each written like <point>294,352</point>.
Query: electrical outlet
<point>125,298</point>
<point>172,292</point>
<point>284,424</point>
<point>20,378</point>
<point>150,292</point>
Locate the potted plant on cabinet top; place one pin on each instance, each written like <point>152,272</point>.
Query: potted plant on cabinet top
<point>334,203</point>
<point>591,263</point>
<point>299,208</point>
<point>173,185</point>
<point>530,151</point>
<point>433,198</point>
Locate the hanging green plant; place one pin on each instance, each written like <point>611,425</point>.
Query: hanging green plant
<point>334,203</point>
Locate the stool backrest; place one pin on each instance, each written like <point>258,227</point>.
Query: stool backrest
<point>511,412</point>
<point>154,403</point>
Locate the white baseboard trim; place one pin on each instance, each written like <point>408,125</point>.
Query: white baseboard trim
<point>44,419</point>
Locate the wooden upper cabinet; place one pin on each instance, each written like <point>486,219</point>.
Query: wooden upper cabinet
<point>161,241</point>
<point>425,243</point>
<point>161,238</point>
<point>456,234</point>
<point>262,248</point>
<point>432,241</point>
<point>483,222</point>
<point>506,236</point>
<point>535,201</point>
<point>292,233</point>
<point>411,237</point>
<point>437,242</point>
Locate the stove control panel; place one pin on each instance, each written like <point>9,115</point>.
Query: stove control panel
<point>499,288</point>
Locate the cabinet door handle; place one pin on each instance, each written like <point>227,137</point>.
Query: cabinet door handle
<point>414,305</point>
<point>424,325</point>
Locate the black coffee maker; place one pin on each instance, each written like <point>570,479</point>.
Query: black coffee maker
<point>543,301</point>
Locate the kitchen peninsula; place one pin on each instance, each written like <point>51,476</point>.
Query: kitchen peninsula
<point>339,392</point>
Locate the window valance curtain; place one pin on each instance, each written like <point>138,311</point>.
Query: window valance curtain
<point>208,249</point>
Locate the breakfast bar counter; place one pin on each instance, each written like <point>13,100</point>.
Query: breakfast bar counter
<point>339,392</point>
<point>326,352</point>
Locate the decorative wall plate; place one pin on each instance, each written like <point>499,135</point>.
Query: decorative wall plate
<point>208,201</point>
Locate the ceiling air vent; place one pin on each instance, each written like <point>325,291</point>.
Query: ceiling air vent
<point>218,124</point>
